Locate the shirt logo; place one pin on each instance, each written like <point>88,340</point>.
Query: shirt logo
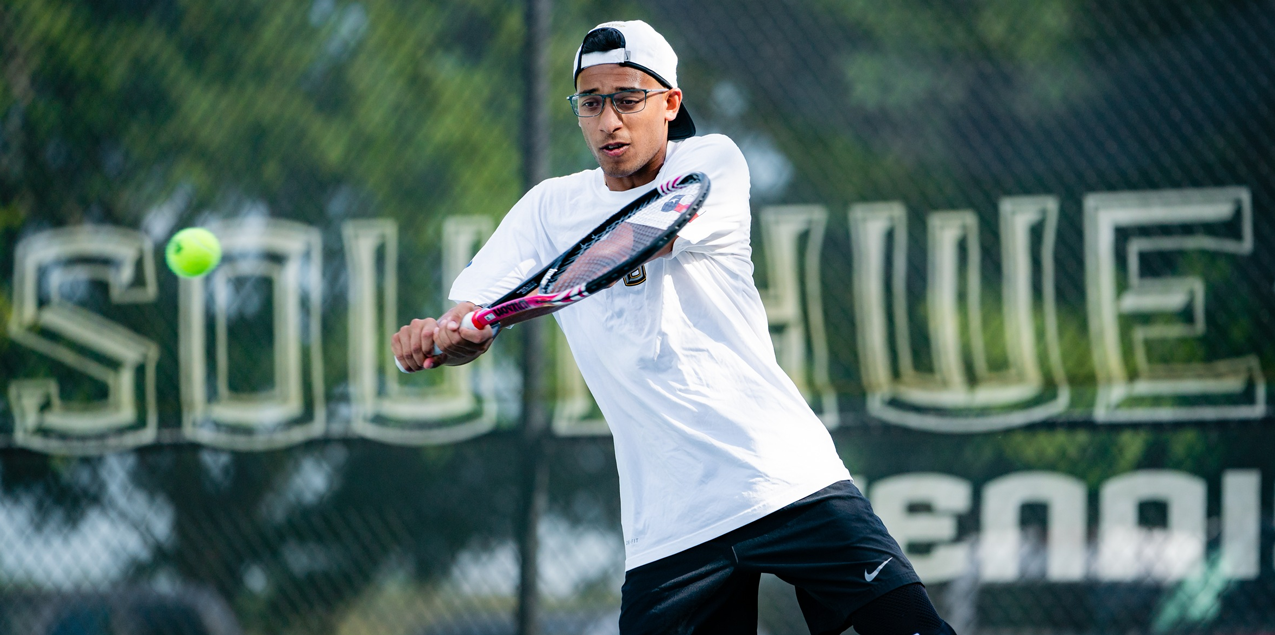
<point>872,576</point>
<point>635,277</point>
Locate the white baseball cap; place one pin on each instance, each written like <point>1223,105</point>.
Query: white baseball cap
<point>636,44</point>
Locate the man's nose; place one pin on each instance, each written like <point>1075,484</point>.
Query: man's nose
<point>609,120</point>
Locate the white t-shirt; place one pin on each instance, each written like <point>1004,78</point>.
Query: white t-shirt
<point>709,432</point>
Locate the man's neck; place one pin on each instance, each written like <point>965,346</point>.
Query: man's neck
<point>642,176</point>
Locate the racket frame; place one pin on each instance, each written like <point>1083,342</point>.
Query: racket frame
<point>515,306</point>
<point>523,303</point>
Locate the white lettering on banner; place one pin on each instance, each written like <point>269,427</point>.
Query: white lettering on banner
<point>288,256</point>
<point>1233,388</point>
<point>51,324</point>
<point>793,299</point>
<point>1241,523</point>
<point>1001,544</point>
<point>977,377</point>
<point>947,497</point>
<point>920,510</point>
<point>1128,551</point>
<point>1032,388</point>
<point>461,404</point>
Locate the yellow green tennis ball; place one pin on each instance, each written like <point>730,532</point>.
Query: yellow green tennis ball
<point>192,252</point>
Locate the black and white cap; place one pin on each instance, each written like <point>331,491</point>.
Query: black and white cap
<point>636,44</point>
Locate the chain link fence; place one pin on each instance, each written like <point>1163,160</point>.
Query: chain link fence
<point>1017,256</point>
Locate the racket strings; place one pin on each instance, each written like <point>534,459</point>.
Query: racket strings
<point>618,244</point>
<point>604,254</point>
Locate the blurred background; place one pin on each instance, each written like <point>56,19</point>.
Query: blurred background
<point>1017,255</point>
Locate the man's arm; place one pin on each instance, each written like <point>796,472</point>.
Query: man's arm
<point>413,345</point>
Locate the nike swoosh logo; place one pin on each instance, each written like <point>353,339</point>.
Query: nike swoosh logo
<point>872,576</point>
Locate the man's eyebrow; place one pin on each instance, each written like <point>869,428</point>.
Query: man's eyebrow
<point>591,91</point>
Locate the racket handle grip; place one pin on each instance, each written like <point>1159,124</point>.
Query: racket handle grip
<point>465,322</point>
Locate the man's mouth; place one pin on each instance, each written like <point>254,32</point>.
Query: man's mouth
<point>614,149</point>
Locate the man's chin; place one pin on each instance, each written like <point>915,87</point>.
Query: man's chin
<point>616,169</point>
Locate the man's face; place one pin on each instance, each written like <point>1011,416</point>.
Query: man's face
<point>627,146</point>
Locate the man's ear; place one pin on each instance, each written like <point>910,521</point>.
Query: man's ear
<point>673,104</point>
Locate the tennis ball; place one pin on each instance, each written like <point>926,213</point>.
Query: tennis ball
<point>192,252</point>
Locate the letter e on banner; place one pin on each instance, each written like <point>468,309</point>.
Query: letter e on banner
<point>1130,306</point>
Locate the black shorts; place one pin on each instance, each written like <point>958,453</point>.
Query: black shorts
<point>829,545</point>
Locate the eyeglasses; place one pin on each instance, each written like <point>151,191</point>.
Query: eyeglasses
<point>626,102</point>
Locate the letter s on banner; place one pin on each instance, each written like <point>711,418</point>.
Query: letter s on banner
<point>48,267</point>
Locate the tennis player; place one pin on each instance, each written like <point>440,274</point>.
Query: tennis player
<point>725,472</point>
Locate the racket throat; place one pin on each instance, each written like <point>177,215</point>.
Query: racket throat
<point>548,278</point>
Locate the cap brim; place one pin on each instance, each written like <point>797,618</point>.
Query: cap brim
<point>681,127</point>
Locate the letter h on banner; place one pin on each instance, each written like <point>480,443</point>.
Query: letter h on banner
<point>792,236</point>
<point>460,403</point>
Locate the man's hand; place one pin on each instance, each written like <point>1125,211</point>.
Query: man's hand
<point>461,344</point>
<point>413,345</point>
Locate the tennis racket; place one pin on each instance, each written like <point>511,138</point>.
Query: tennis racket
<point>619,245</point>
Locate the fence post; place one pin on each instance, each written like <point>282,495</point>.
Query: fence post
<point>535,411</point>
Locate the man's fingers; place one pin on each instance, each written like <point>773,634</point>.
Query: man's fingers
<point>413,345</point>
<point>454,337</point>
<point>429,344</point>
<point>477,336</point>
<point>421,334</point>
<point>396,351</point>
<point>434,361</point>
<point>456,343</point>
<point>400,345</point>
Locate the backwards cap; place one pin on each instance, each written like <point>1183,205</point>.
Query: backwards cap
<point>637,45</point>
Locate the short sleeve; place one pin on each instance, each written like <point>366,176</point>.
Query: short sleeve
<point>723,223</point>
<point>506,259</point>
